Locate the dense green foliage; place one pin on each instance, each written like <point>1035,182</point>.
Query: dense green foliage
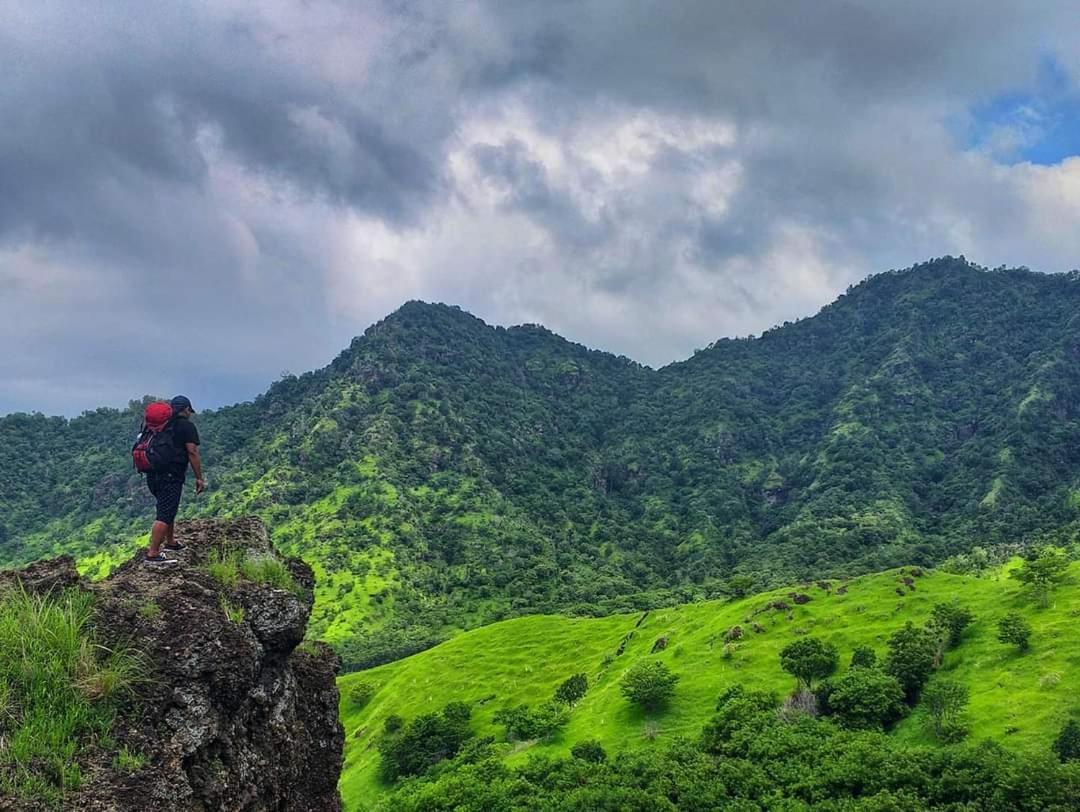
<point>749,758</point>
<point>863,657</point>
<point>572,689</point>
<point>524,723</point>
<point>945,701</point>
<point>809,659</point>
<point>58,690</point>
<point>424,741</point>
<point>441,474</point>
<point>1014,629</point>
<point>649,684</point>
<point>863,697</point>
<point>912,652</point>
<point>1067,744</point>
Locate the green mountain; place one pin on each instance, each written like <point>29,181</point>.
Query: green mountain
<point>441,474</point>
<point>1021,699</point>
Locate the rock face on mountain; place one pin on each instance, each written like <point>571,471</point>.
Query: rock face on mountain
<point>236,713</point>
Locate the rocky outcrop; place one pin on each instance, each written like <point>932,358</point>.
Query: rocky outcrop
<point>236,713</point>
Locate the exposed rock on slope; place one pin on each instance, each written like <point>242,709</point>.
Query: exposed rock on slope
<point>236,715</point>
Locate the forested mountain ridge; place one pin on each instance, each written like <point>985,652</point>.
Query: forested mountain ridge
<point>442,473</point>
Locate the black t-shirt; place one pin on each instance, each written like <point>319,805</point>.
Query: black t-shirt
<point>183,432</point>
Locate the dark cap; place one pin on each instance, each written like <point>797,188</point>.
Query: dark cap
<point>181,402</point>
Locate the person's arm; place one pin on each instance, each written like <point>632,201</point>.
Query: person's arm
<point>196,466</point>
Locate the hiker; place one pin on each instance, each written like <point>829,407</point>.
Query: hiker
<point>168,442</point>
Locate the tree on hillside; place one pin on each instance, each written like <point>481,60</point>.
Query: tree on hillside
<point>945,701</point>
<point>1015,630</point>
<point>808,659</point>
<point>911,658</point>
<point>736,709</point>
<point>950,620</point>
<point>739,586</point>
<point>1042,572</point>
<point>360,693</point>
<point>572,689</point>
<point>863,698</point>
<point>424,741</point>
<point>649,684</point>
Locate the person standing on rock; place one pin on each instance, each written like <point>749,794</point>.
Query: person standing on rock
<point>166,481</point>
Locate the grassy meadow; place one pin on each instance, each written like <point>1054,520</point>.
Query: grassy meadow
<point>1020,699</point>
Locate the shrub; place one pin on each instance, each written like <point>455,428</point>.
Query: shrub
<point>589,750</point>
<point>360,693</point>
<point>736,710</point>
<point>524,724</point>
<point>649,684</point>
<point>572,689</point>
<point>423,742</point>
<point>1015,630</point>
<point>739,586</point>
<point>393,723</point>
<point>911,659</point>
<point>863,657</point>
<point>864,698</point>
<point>1067,744</point>
<point>950,620</point>
<point>809,659</point>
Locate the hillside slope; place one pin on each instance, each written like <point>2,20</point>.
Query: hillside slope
<point>1021,700</point>
<point>441,473</point>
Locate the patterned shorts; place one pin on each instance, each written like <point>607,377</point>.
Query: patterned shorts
<point>167,492</point>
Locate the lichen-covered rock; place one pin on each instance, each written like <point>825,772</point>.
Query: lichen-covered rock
<point>235,714</point>
<point>42,576</point>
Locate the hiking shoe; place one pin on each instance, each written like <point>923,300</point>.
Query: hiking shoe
<point>159,560</point>
<point>177,546</point>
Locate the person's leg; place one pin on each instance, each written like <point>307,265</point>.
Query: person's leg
<point>157,536</point>
<point>170,541</point>
<point>167,494</point>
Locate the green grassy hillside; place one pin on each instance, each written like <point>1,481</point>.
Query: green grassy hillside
<point>1021,700</point>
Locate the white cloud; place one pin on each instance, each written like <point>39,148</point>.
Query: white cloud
<point>643,179</point>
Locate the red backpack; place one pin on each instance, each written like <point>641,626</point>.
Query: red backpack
<point>154,449</point>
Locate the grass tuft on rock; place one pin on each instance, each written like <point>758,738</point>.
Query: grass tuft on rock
<point>58,688</point>
<point>229,567</point>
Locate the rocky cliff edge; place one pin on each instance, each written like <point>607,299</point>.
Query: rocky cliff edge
<point>236,712</point>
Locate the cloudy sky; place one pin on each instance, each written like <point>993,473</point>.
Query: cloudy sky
<point>197,196</point>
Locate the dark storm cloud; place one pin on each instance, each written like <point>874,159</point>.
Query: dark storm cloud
<point>643,176</point>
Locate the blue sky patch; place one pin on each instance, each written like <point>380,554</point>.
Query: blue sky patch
<point>1040,125</point>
